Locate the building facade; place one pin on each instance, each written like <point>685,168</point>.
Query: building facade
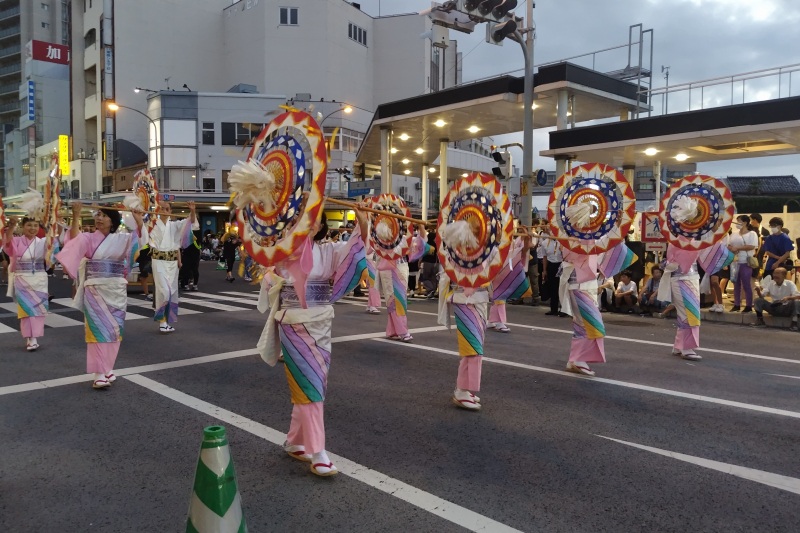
<point>23,24</point>
<point>212,56</point>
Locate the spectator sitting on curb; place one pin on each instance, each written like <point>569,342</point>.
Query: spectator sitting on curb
<point>626,294</point>
<point>785,299</point>
<point>648,302</point>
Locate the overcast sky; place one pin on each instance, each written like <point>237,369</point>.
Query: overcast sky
<point>697,39</point>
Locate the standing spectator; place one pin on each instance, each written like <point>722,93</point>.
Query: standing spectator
<point>429,265</point>
<point>3,267</point>
<point>785,299</point>
<point>626,293</point>
<point>230,242</point>
<point>777,247</point>
<point>648,302</point>
<point>533,272</point>
<point>743,244</point>
<point>552,263</point>
<point>145,269</point>
<point>190,268</point>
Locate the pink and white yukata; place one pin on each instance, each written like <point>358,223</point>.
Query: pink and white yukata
<point>511,283</point>
<point>579,278</point>
<point>299,327</point>
<point>373,292</point>
<point>393,283</point>
<point>100,264</point>
<point>680,284</point>
<point>27,283</point>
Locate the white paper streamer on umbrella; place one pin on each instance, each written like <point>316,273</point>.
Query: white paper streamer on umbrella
<point>384,231</point>
<point>684,209</point>
<point>580,214</point>
<point>253,183</point>
<point>459,235</point>
<point>132,202</point>
<point>32,203</point>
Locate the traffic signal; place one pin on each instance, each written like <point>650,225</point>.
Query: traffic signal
<point>504,168</point>
<point>495,10</point>
<point>496,32</point>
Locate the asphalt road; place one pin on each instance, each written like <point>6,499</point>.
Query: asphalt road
<point>653,443</point>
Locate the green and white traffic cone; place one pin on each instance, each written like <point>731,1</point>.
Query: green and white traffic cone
<point>216,506</point>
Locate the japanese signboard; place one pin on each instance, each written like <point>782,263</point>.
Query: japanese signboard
<point>651,228</point>
<point>63,154</point>
<point>49,52</point>
<point>31,100</point>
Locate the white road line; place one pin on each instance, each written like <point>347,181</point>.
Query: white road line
<point>245,294</point>
<point>637,386</point>
<point>69,380</point>
<point>625,339</point>
<point>394,487</point>
<point>55,320</point>
<point>212,305</point>
<point>784,376</point>
<point>149,305</point>
<point>6,329</point>
<point>778,481</point>
<point>67,302</point>
<point>210,296</point>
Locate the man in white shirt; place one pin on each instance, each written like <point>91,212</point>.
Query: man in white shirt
<point>627,293</point>
<point>167,238</point>
<point>785,299</point>
<point>551,259</point>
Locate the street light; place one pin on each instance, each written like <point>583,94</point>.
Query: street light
<point>114,107</point>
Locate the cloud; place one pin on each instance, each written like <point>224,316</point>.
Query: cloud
<point>697,39</point>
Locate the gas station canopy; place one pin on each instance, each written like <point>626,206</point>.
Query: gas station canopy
<point>487,108</point>
<point>748,130</point>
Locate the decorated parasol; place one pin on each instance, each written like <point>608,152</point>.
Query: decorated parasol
<point>389,236</point>
<point>475,230</point>
<point>52,209</point>
<point>279,189</point>
<point>145,196</point>
<point>591,208</point>
<point>696,212</point>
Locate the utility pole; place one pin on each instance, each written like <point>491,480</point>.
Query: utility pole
<point>526,188</point>
<point>665,71</point>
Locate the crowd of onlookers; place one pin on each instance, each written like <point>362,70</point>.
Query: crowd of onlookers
<point>762,276</point>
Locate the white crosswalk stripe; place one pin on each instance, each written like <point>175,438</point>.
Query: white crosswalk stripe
<point>149,305</point>
<point>212,305</point>
<point>203,300</point>
<point>245,294</point>
<point>248,301</point>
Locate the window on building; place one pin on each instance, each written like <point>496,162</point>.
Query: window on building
<point>288,16</point>
<point>225,180</point>
<point>644,174</point>
<point>90,38</point>
<point>208,133</point>
<point>239,134</point>
<point>357,33</point>
<point>45,7</point>
<point>209,185</point>
<point>646,186</point>
<point>45,25</point>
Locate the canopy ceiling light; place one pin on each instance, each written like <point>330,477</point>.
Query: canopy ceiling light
<point>404,136</point>
<point>650,151</point>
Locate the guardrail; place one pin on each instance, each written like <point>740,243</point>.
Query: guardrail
<point>754,86</point>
